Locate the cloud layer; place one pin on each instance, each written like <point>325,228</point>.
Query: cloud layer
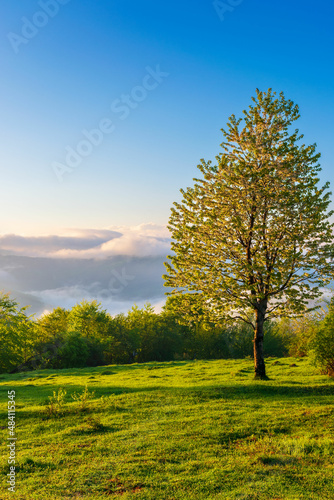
<point>117,266</point>
<point>143,240</point>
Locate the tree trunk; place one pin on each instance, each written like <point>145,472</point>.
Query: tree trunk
<point>260,369</point>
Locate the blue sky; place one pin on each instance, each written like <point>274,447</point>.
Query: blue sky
<point>66,77</point>
<point>88,55</point>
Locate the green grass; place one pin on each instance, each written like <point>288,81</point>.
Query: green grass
<point>189,430</point>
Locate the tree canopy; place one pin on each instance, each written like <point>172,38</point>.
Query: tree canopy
<point>252,238</point>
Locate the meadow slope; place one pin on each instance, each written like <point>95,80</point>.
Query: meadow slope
<point>186,430</point>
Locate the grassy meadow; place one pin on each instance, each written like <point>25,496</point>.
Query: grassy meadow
<point>186,430</point>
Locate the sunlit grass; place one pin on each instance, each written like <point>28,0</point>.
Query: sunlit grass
<point>180,430</point>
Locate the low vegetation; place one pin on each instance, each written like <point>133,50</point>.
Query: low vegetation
<point>87,336</point>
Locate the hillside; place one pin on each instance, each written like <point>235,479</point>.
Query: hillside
<point>172,431</point>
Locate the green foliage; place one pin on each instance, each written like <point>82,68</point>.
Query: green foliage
<point>52,326</point>
<point>16,338</point>
<point>96,352</point>
<point>298,333</point>
<point>255,228</point>
<point>83,399</point>
<point>56,403</point>
<point>187,309</point>
<point>123,341</point>
<point>89,319</point>
<point>322,343</point>
<point>141,336</point>
<point>207,343</point>
<point>169,341</point>
<point>275,343</point>
<point>253,239</point>
<point>240,337</point>
<point>58,344</point>
<point>74,352</point>
<point>141,322</point>
<point>158,339</point>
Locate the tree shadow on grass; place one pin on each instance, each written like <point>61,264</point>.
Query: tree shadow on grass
<point>259,391</point>
<point>94,370</point>
<point>32,394</point>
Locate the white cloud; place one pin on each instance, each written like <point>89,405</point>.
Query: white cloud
<point>141,241</point>
<point>118,266</point>
<point>67,297</point>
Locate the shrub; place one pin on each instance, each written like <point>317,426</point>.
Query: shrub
<point>83,399</point>
<point>299,332</point>
<point>55,405</point>
<point>322,345</point>
<point>240,340</point>
<point>275,343</point>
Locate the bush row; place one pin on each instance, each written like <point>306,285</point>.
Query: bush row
<point>87,335</point>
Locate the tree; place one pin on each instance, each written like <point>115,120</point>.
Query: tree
<point>74,353</point>
<point>201,339</point>
<point>144,322</point>
<point>89,319</point>
<point>52,326</point>
<point>16,338</point>
<point>124,341</point>
<point>252,239</point>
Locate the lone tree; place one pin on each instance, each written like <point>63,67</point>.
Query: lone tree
<point>252,239</point>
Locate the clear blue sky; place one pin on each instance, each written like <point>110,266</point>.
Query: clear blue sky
<point>65,77</point>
